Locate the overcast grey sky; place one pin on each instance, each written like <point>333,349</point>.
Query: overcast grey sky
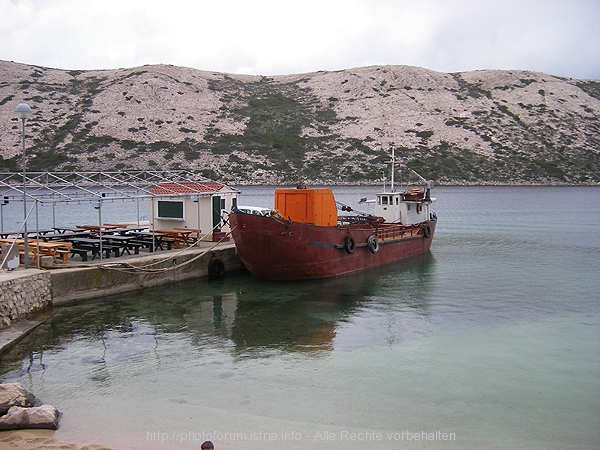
<point>275,37</point>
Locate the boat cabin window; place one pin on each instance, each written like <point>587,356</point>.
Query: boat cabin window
<point>387,199</point>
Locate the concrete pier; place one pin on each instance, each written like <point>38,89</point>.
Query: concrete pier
<point>24,293</point>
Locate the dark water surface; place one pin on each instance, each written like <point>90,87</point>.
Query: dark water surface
<point>491,340</point>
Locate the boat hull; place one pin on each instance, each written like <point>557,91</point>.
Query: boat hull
<point>276,249</point>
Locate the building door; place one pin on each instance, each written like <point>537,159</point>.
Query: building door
<point>216,213</point>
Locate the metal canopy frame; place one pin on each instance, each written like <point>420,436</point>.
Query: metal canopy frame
<point>89,187</point>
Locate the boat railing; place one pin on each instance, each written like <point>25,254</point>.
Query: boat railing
<point>390,231</point>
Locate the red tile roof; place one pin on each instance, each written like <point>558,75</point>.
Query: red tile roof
<point>186,187</point>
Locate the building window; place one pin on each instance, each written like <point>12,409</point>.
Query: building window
<point>170,210</point>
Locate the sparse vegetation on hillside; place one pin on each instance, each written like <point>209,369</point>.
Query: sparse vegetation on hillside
<point>326,127</point>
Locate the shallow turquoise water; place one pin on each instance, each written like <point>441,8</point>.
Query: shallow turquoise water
<point>491,340</point>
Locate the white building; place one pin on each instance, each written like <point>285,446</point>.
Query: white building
<point>194,205</point>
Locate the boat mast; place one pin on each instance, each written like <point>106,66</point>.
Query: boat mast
<point>393,165</point>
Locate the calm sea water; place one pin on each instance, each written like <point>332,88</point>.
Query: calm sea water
<point>491,340</point>
<point>46,216</point>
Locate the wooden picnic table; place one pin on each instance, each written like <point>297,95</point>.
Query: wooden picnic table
<point>181,236</point>
<point>59,251</point>
<point>63,236</point>
<point>63,230</point>
<point>109,229</point>
<point>129,230</point>
<point>56,249</point>
<point>30,233</point>
<point>95,245</point>
<point>125,241</point>
<point>153,239</point>
<point>116,225</point>
<point>97,227</point>
<point>191,235</point>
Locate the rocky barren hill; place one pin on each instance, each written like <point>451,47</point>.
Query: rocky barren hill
<point>488,126</point>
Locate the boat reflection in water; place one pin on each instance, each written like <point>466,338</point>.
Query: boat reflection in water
<point>240,315</point>
<point>236,354</point>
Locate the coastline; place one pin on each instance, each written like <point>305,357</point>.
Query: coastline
<point>40,440</point>
<point>451,183</point>
<point>80,281</point>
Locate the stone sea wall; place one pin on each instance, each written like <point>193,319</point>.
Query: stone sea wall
<point>147,271</point>
<point>23,294</point>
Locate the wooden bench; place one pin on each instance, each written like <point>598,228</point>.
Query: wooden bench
<point>106,248</point>
<point>141,244</point>
<point>157,244</point>
<point>180,237</point>
<point>63,254</point>
<point>81,252</point>
<point>169,241</point>
<point>58,251</point>
<point>187,236</point>
<point>132,245</point>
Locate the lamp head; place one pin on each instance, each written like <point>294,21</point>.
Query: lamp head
<point>23,111</point>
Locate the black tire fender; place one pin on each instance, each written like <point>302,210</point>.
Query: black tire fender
<point>216,268</point>
<point>426,231</point>
<point>349,244</point>
<point>373,244</point>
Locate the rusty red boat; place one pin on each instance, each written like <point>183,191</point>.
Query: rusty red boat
<point>304,237</point>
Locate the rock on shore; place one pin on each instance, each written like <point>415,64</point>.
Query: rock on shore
<point>13,394</point>
<point>17,410</point>
<point>17,417</point>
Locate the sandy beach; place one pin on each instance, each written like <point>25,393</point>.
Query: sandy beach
<point>39,440</point>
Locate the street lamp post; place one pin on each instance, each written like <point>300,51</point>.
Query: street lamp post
<point>23,112</point>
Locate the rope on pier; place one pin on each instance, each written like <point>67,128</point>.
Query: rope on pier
<point>130,268</point>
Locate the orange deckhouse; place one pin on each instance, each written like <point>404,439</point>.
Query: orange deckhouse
<point>316,206</point>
